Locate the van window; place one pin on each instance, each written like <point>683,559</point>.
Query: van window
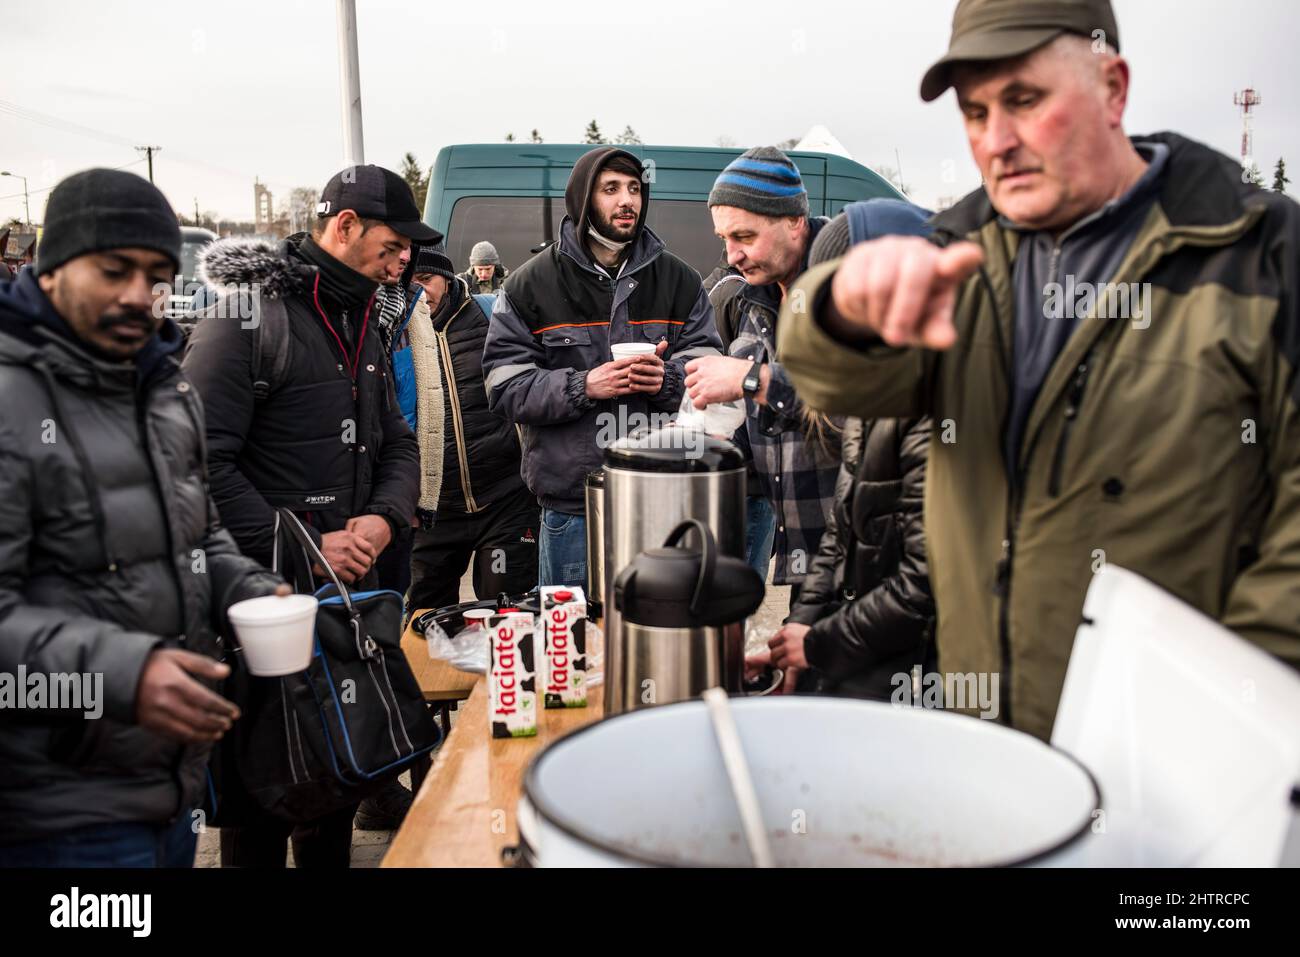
<point>515,225</point>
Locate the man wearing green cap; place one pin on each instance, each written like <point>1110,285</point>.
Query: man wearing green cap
<point>1106,335</point>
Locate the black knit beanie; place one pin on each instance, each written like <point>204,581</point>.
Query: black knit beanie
<point>101,209</point>
<point>432,259</point>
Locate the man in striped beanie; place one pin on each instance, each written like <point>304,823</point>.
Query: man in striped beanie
<point>760,212</point>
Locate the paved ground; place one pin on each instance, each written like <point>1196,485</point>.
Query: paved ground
<point>369,847</point>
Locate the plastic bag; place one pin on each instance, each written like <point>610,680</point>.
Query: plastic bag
<point>467,651</point>
<point>719,418</point>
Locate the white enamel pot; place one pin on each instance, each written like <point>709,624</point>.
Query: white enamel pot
<point>840,783</point>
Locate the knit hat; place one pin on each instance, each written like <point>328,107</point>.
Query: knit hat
<point>101,209</point>
<point>432,259</point>
<point>762,180</point>
<point>869,219</point>
<point>484,254</point>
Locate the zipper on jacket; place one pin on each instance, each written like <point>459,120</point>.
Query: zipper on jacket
<point>456,421</point>
<point>1073,401</point>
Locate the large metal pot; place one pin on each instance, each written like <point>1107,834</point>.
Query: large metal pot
<point>840,783</point>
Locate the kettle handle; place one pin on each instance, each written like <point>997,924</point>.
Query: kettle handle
<point>708,562</point>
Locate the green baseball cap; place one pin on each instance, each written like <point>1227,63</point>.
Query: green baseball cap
<point>1005,29</point>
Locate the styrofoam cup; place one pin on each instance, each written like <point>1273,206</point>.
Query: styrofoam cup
<point>276,632</point>
<point>621,350</point>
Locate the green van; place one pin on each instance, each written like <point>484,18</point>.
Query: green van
<point>512,194</point>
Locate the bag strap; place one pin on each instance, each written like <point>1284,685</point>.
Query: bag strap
<point>289,521</point>
<point>270,356</point>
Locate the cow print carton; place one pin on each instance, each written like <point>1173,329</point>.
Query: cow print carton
<point>564,647</point>
<point>512,677</point>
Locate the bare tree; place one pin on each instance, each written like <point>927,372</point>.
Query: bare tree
<point>628,136</point>
<point>788,144</point>
<point>891,176</point>
<point>725,141</point>
<point>300,208</point>
<point>510,137</point>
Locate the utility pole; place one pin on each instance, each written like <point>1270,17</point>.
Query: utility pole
<point>196,211</point>
<point>149,151</point>
<point>354,150</point>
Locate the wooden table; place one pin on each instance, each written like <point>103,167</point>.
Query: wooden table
<point>464,813</point>
<point>441,684</point>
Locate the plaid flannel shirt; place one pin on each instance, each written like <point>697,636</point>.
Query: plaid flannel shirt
<point>795,473</point>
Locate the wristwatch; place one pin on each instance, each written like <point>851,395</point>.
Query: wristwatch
<point>752,378</point>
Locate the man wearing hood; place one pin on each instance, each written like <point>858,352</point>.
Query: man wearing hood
<point>608,279</point>
<point>115,572</point>
<point>323,435</point>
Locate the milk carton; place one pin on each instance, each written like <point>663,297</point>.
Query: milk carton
<point>512,678</point>
<point>564,647</point>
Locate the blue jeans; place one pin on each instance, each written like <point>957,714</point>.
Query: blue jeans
<point>562,549</point>
<point>109,845</point>
<point>760,531</point>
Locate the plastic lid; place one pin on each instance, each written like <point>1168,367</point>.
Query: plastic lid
<point>564,596</point>
<point>478,613</point>
<point>673,449</point>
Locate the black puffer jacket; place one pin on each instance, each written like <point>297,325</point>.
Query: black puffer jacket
<point>867,594</point>
<point>328,442</point>
<point>109,548</point>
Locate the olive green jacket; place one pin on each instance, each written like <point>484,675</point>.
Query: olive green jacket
<point>1167,443</point>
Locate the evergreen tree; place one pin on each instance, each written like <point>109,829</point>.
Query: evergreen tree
<point>510,137</point>
<point>536,137</point>
<point>415,178</point>
<point>628,136</point>
<point>594,136</point>
<point>1280,179</point>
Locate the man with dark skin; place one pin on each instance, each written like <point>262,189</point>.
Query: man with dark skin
<point>113,563</point>
<point>108,299</point>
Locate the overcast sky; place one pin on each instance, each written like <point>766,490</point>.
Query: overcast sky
<point>245,88</point>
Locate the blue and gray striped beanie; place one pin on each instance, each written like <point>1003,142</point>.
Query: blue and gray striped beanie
<point>762,180</point>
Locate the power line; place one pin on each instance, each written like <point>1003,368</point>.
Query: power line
<point>65,126</point>
<point>46,189</point>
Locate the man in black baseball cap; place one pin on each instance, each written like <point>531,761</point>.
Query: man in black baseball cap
<point>319,431</point>
<point>375,193</point>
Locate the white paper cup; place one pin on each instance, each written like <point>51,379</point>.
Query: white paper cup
<point>621,350</point>
<point>276,633</point>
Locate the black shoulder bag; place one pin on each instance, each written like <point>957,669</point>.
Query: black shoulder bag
<point>314,742</point>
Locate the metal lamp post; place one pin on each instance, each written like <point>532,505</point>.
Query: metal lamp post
<point>27,209</point>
